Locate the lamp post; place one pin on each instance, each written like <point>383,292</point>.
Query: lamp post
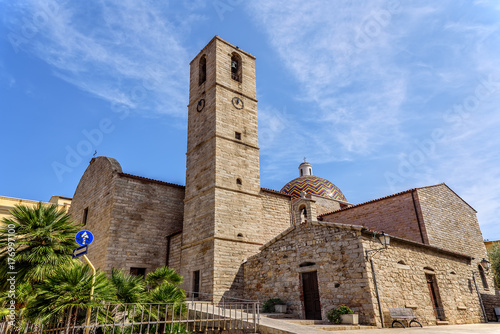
<point>384,240</point>
<point>486,264</point>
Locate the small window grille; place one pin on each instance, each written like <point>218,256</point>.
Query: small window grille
<point>138,271</point>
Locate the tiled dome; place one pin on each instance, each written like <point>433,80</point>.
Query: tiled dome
<point>313,185</point>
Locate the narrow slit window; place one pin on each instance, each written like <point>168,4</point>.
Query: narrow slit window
<point>238,181</point>
<point>85,215</point>
<point>237,135</point>
<point>202,70</point>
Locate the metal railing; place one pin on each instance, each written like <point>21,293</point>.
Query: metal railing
<point>157,318</point>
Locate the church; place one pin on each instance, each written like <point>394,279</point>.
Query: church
<point>305,244</point>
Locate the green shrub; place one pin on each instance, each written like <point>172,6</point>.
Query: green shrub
<point>334,314</point>
<point>268,306</point>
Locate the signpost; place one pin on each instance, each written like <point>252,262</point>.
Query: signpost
<point>84,238</point>
<point>77,252</point>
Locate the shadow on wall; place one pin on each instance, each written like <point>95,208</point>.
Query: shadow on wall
<point>237,286</point>
<point>491,301</point>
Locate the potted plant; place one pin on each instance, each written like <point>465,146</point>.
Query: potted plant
<point>274,305</point>
<point>342,314</point>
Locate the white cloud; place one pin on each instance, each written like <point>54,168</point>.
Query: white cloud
<point>130,54</point>
<point>337,51</point>
<point>379,77</point>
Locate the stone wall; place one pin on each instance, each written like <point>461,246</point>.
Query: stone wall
<point>275,211</point>
<point>325,205</point>
<point>199,257</point>
<point>338,254</point>
<point>130,216</point>
<point>144,213</point>
<point>452,224</point>
<point>334,253</point>
<point>174,260</point>
<point>490,301</point>
<point>95,192</point>
<point>401,275</point>
<point>395,215</point>
<point>223,204</point>
<point>449,220</point>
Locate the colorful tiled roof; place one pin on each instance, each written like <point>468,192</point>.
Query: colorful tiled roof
<point>313,185</point>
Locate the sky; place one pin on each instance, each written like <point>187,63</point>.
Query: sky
<point>379,96</point>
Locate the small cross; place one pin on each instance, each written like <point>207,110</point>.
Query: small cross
<point>305,159</point>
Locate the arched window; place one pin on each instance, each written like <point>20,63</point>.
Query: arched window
<point>303,214</point>
<point>483,276</point>
<point>236,67</point>
<point>202,70</point>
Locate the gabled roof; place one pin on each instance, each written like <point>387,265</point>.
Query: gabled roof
<point>275,192</point>
<point>394,195</point>
<point>366,232</point>
<point>141,178</point>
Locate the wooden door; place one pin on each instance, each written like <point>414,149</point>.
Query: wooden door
<point>436,304</point>
<point>310,292</point>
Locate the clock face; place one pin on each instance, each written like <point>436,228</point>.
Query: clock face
<point>201,105</point>
<point>237,102</point>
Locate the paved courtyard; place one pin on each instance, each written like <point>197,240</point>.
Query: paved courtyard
<point>489,328</point>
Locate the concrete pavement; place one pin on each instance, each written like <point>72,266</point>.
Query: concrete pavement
<point>489,328</point>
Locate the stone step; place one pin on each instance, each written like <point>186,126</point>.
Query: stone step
<point>342,327</point>
<point>442,322</point>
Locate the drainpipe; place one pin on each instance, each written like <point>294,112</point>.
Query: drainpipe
<point>376,291</point>
<point>418,219</point>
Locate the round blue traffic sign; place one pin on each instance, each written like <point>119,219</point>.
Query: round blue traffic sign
<point>84,238</point>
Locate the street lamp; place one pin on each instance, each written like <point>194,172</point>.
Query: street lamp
<point>485,263</point>
<point>384,239</point>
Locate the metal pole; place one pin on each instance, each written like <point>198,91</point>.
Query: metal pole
<point>480,298</point>
<point>89,310</point>
<point>376,291</point>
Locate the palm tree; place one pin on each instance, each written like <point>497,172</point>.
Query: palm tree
<point>164,286</point>
<point>129,288</point>
<point>43,241</point>
<point>24,294</point>
<point>66,290</point>
<point>167,293</point>
<point>163,275</point>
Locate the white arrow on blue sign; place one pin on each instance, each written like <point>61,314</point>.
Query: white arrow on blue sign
<point>84,238</point>
<point>82,250</point>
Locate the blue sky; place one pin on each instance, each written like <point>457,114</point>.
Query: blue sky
<point>380,96</point>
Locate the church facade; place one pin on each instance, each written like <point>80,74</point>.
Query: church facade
<point>306,244</point>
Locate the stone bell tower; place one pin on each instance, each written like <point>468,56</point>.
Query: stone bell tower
<point>222,207</point>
